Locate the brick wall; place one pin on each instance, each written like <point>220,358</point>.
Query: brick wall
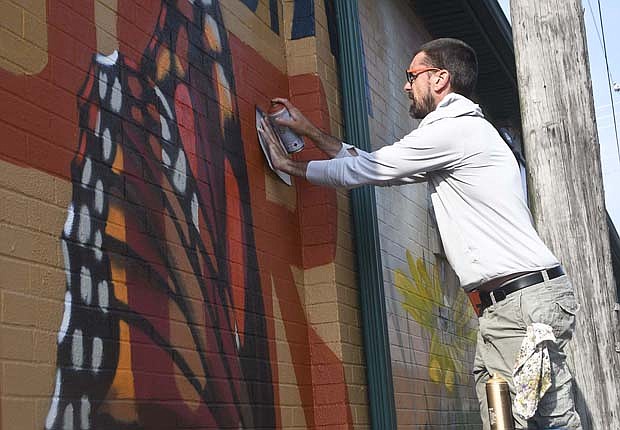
<point>430,323</point>
<point>156,273</point>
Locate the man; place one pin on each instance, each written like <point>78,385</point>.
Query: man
<point>484,223</point>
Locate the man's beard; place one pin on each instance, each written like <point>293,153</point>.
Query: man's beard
<point>423,108</point>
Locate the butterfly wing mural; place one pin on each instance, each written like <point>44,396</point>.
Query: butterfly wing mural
<point>153,159</point>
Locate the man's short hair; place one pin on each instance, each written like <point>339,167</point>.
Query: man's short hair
<point>458,58</point>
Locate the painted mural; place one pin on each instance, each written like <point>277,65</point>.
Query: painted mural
<point>132,143</point>
<point>184,259</point>
<point>447,318</point>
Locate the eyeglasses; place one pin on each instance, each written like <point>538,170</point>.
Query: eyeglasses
<point>412,74</point>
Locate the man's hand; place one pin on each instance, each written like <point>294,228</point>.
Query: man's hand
<point>302,126</point>
<point>298,122</point>
<point>279,157</point>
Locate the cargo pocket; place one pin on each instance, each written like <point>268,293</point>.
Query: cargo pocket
<point>566,308</point>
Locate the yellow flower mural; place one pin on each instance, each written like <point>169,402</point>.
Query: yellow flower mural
<point>446,317</point>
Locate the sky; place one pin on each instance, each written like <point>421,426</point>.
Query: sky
<point>610,159</point>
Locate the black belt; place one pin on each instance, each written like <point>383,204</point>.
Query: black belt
<point>500,293</point>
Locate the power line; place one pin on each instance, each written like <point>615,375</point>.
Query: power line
<point>598,32</point>
<point>611,94</point>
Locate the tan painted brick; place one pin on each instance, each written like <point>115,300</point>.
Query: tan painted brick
<point>35,30</point>
<point>321,293</point>
<point>42,406</point>
<point>47,282</point>
<point>45,217</point>
<point>301,47</point>
<point>299,418</point>
<point>45,346</point>
<point>14,208</point>
<point>49,313</point>
<point>19,309</point>
<point>11,17</point>
<point>322,313</point>
<point>301,65</point>
<point>18,414</point>
<point>21,379</point>
<point>16,343</point>
<point>20,243</point>
<point>289,395</point>
<point>328,332</point>
<point>280,193</point>
<point>27,181</point>
<point>15,275</point>
<point>62,192</point>
<point>22,52</point>
<point>105,16</point>
<point>107,42</point>
<point>11,66</point>
<point>35,7</point>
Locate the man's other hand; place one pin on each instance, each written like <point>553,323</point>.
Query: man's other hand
<point>279,157</point>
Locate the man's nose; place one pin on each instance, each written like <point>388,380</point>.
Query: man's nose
<point>407,87</point>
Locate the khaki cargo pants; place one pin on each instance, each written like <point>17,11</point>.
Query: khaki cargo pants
<point>502,330</point>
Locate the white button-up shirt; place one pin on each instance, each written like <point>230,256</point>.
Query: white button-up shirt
<point>481,211</point>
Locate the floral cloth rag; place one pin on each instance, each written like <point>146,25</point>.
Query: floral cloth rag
<point>532,371</point>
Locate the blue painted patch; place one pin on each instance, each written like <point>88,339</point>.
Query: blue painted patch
<point>303,19</point>
<point>330,11</point>
<point>273,12</point>
<point>252,4</point>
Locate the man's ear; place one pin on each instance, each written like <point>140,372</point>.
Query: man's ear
<point>442,79</point>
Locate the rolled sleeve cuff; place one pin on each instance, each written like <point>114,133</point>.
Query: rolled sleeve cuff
<point>316,172</point>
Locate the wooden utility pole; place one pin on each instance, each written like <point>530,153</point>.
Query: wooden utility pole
<point>566,189</point>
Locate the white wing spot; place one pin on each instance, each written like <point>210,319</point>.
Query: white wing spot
<point>165,130</point>
<point>77,349</point>
<point>116,101</point>
<point>98,124</point>
<point>99,196</point>
<point>195,211</point>
<point>86,285</point>
<point>165,158</point>
<point>98,240</point>
<point>67,419</point>
<point>53,412</point>
<point>69,221</point>
<point>87,171</point>
<point>103,84</point>
<point>102,291</point>
<point>84,225</point>
<point>164,102</point>
<point>65,253</point>
<point>85,413</point>
<point>237,340</point>
<point>97,353</point>
<point>66,318</point>
<point>179,178</point>
<point>107,144</point>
